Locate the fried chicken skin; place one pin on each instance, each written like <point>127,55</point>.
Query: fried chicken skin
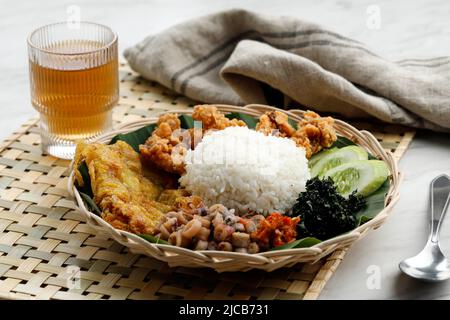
<point>213,119</point>
<point>313,132</point>
<point>127,199</point>
<point>189,204</point>
<point>275,123</point>
<point>168,144</point>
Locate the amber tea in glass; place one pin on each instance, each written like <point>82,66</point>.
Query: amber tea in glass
<point>74,83</point>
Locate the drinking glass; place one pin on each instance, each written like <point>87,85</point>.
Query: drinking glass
<point>74,83</point>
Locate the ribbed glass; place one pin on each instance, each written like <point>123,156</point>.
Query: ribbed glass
<point>74,83</point>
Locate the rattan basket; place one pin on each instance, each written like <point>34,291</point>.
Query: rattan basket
<point>232,261</point>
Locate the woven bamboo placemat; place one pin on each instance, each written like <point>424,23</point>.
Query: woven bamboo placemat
<point>47,251</point>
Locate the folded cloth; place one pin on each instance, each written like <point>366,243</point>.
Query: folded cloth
<point>240,57</point>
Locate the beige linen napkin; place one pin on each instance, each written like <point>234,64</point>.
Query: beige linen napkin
<point>240,57</point>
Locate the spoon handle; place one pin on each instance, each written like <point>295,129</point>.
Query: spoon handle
<point>440,198</point>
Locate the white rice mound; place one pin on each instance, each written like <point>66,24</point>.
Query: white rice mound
<point>246,170</point>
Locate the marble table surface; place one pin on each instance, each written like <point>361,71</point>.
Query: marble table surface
<point>405,29</point>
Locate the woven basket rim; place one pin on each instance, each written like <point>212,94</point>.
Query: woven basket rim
<point>263,260</point>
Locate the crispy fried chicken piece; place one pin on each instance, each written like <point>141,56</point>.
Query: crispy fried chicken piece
<point>168,144</point>
<point>213,119</point>
<point>313,132</point>
<point>164,147</point>
<point>189,205</point>
<point>127,199</point>
<point>275,123</point>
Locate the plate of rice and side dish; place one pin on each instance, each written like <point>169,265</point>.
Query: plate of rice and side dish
<point>235,188</point>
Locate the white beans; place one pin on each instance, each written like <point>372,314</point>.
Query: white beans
<point>240,239</point>
<point>223,232</point>
<point>165,234</point>
<point>212,245</point>
<point>253,247</point>
<point>225,246</point>
<point>218,220</point>
<point>216,228</point>
<point>177,239</point>
<point>205,222</point>
<point>203,234</point>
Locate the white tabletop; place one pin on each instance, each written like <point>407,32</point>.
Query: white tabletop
<point>407,29</point>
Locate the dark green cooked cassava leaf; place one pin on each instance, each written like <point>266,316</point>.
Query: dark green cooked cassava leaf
<point>153,239</point>
<point>300,243</point>
<point>325,213</point>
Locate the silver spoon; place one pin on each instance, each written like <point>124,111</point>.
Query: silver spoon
<point>431,264</point>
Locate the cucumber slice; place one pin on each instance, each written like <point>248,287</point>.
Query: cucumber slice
<point>365,176</point>
<point>318,156</point>
<point>336,158</point>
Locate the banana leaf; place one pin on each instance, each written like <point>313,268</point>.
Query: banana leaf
<point>300,243</point>
<point>374,204</point>
<point>86,189</point>
<point>90,204</point>
<point>135,138</point>
<point>152,239</point>
<point>186,121</point>
<point>342,142</point>
<point>249,120</point>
